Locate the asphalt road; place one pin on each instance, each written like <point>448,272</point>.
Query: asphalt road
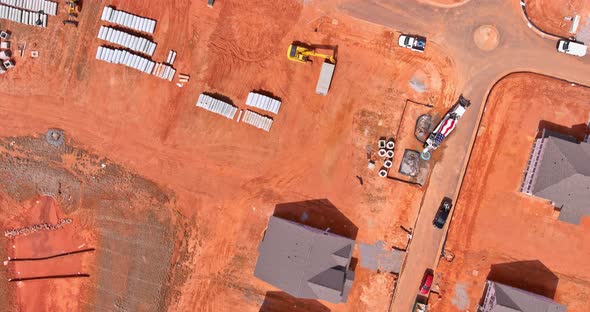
<point>520,49</point>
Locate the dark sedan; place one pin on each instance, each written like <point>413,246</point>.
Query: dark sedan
<point>443,213</point>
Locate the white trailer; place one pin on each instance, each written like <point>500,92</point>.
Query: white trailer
<point>325,78</point>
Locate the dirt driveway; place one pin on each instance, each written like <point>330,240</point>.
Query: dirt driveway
<point>497,231</point>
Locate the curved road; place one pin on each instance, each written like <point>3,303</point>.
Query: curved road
<point>520,49</point>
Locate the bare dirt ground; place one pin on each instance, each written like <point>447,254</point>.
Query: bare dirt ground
<point>120,214</point>
<point>177,213</point>
<point>549,15</point>
<point>500,233</point>
<point>31,294</point>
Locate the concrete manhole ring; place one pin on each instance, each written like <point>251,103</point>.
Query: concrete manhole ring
<point>486,37</point>
<point>54,137</point>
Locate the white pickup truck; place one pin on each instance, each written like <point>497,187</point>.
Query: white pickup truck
<point>414,43</point>
<point>571,47</point>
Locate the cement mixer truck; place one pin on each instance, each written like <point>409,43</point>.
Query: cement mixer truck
<point>445,127</point>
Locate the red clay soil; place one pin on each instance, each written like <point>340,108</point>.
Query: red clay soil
<point>47,294</point>
<point>549,15</point>
<point>226,177</point>
<point>499,232</point>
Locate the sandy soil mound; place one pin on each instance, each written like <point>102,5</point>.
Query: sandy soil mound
<point>486,37</point>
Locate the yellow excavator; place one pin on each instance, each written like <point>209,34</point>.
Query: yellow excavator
<point>72,8</point>
<point>302,54</point>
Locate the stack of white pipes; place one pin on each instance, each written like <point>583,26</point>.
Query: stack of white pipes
<point>23,17</point>
<point>263,102</point>
<point>257,120</point>
<point>128,20</point>
<point>48,7</point>
<point>171,57</point>
<point>164,71</point>
<point>117,56</point>
<point>126,40</point>
<point>216,106</point>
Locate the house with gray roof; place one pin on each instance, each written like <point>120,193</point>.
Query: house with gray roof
<point>559,170</point>
<point>503,298</point>
<point>305,262</point>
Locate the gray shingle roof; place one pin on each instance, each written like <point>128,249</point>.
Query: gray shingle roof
<point>305,262</point>
<point>509,299</point>
<point>563,177</point>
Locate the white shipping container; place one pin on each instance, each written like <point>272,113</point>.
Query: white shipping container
<point>325,78</point>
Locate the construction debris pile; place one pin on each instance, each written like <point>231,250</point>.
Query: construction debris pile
<point>386,151</point>
<point>54,137</point>
<point>37,227</point>
<point>5,53</point>
<point>134,43</point>
<point>422,129</point>
<point>410,163</point>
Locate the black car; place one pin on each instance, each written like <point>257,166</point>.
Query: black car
<point>443,213</point>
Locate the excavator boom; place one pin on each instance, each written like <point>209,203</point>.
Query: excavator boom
<point>302,54</point>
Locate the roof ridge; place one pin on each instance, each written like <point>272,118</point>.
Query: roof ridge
<point>569,164</point>
<point>569,156</point>
<point>304,271</point>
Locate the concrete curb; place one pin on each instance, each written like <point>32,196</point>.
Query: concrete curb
<point>534,27</point>
<point>444,6</point>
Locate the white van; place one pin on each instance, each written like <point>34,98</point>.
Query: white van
<point>571,47</point>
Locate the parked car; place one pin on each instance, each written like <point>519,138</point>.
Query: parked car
<point>414,43</point>
<point>421,304</point>
<point>426,282</point>
<point>571,47</point>
<point>443,213</point>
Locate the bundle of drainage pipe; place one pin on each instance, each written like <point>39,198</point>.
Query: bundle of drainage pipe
<point>216,106</point>
<point>263,102</point>
<point>171,57</point>
<point>126,40</point>
<point>23,17</point>
<point>128,20</point>
<point>164,71</point>
<point>257,120</point>
<point>183,78</point>
<point>128,59</point>
<point>48,7</point>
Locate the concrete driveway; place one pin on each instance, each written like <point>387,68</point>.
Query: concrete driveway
<point>520,48</point>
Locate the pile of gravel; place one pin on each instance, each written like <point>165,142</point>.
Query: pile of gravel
<point>55,137</point>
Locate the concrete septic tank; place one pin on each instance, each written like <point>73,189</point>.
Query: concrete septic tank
<point>388,163</point>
